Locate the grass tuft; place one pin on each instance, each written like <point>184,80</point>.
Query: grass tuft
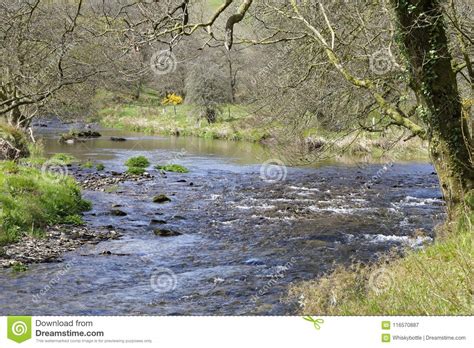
<point>176,168</point>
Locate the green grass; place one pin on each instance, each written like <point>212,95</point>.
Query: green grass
<point>87,165</point>
<point>148,116</point>
<point>137,162</point>
<point>176,168</point>
<point>137,165</point>
<point>31,200</point>
<point>135,170</point>
<point>63,158</point>
<point>437,280</point>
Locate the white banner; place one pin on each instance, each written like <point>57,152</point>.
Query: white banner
<point>242,332</point>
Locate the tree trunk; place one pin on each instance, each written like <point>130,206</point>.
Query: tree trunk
<point>424,44</point>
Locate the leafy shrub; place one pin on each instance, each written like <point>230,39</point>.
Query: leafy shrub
<point>100,166</point>
<point>137,162</point>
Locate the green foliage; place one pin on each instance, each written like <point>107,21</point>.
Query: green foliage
<point>234,123</point>
<point>63,158</point>
<point>135,170</point>
<point>15,138</point>
<point>19,268</point>
<point>138,162</point>
<point>88,165</point>
<point>75,220</point>
<point>100,166</point>
<point>30,200</point>
<point>172,168</point>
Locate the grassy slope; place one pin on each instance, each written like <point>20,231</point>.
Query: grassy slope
<point>31,199</point>
<point>437,280</point>
<point>148,116</point>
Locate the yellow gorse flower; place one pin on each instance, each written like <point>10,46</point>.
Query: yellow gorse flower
<point>172,99</point>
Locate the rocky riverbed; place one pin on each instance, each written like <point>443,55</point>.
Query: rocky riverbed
<point>59,239</point>
<point>49,248</point>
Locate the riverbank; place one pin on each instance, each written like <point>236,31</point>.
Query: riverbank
<point>240,123</point>
<point>41,215</point>
<point>437,280</point>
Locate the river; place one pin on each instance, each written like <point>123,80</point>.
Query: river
<point>243,239</point>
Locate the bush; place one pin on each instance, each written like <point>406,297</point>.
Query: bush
<point>30,200</point>
<point>135,170</point>
<point>137,162</point>
<point>172,168</point>
<point>100,166</point>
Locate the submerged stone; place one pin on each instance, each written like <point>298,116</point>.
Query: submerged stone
<point>161,199</point>
<point>166,233</point>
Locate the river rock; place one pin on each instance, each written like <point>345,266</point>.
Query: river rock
<point>166,233</point>
<point>57,240</point>
<point>117,139</point>
<point>161,199</point>
<point>87,134</point>
<point>118,212</point>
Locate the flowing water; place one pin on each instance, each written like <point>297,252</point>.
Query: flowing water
<point>244,239</point>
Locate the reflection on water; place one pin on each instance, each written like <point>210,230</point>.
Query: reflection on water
<point>103,148</point>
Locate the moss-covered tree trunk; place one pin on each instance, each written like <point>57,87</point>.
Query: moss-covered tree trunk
<point>422,39</point>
